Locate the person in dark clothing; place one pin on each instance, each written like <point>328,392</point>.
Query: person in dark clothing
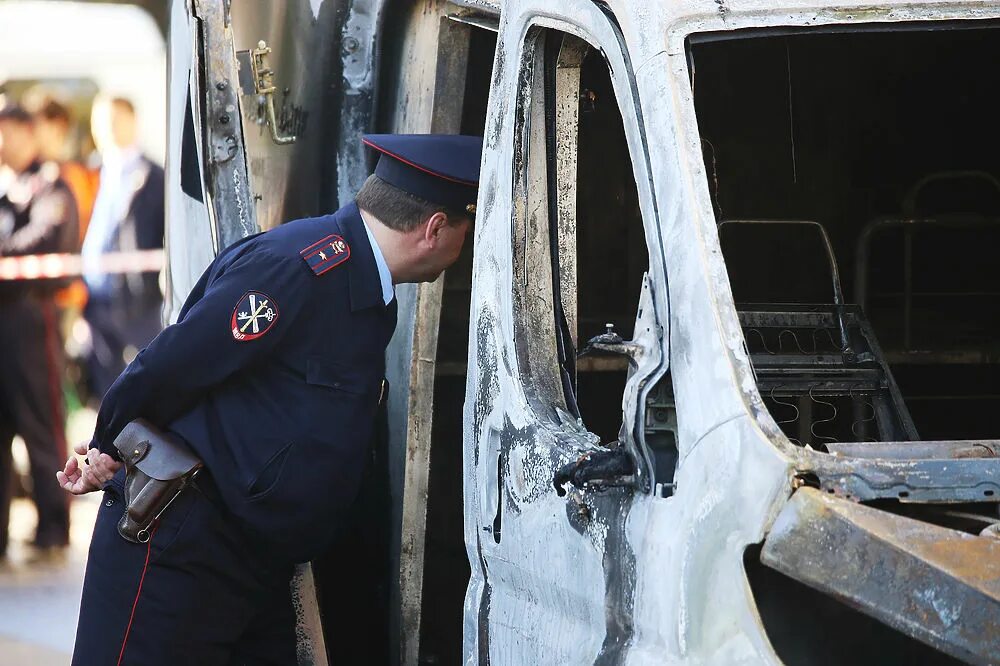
<point>273,376</point>
<point>123,310</point>
<point>37,216</point>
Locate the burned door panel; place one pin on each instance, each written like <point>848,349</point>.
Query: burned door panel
<point>556,582</point>
<point>323,67</point>
<point>227,179</point>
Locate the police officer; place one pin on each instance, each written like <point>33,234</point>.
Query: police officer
<point>272,375</point>
<point>37,216</point>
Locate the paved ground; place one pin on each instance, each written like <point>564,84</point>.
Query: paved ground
<point>39,602</point>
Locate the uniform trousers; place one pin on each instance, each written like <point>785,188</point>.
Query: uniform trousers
<point>197,593</point>
<point>31,405</point>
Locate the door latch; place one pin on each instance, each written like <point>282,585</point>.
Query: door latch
<point>597,470</point>
<point>610,342</point>
<point>255,63</point>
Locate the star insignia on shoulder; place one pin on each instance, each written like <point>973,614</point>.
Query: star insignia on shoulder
<point>327,253</point>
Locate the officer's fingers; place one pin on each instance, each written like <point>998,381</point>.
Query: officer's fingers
<point>93,466</point>
<point>81,448</point>
<point>89,477</point>
<point>71,484</point>
<point>109,463</point>
<point>105,466</point>
<point>71,473</point>
<point>84,485</point>
<point>95,473</point>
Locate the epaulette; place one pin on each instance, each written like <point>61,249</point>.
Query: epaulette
<point>328,253</point>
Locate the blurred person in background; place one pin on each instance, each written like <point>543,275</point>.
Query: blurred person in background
<point>123,310</point>
<point>54,131</point>
<point>37,216</point>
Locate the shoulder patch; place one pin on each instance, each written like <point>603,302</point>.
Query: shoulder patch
<point>253,316</point>
<point>326,254</point>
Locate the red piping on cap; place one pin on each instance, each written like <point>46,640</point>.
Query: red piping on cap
<point>471,183</point>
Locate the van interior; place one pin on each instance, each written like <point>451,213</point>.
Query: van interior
<point>855,182</point>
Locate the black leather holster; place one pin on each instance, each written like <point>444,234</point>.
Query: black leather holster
<point>158,466</point>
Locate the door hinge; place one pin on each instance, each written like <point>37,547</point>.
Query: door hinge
<point>257,77</point>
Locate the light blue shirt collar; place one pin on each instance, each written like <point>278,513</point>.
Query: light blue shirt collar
<point>384,276</point>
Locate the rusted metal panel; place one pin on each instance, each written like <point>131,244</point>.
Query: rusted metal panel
<point>188,236</point>
<point>908,480</point>
<point>533,266</point>
<point>226,174</point>
<point>956,450</point>
<point>310,645</point>
<point>938,585</point>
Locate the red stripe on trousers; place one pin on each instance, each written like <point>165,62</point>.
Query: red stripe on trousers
<point>145,567</point>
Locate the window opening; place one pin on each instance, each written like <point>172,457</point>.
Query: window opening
<point>579,246</point>
<point>883,139</point>
<point>877,147</point>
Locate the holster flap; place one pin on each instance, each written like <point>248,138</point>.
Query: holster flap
<point>157,454</point>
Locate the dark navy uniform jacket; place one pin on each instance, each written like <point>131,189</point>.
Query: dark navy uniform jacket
<point>37,216</point>
<point>272,375</point>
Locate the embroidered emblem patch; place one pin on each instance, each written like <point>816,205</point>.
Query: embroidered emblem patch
<point>253,316</point>
<point>326,254</point>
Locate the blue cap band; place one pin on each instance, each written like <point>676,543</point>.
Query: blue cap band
<point>424,185</point>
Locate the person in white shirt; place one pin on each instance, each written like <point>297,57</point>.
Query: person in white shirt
<point>123,310</point>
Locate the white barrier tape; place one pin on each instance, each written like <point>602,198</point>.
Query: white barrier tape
<point>42,266</point>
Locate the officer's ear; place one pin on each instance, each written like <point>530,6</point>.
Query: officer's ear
<point>434,226</point>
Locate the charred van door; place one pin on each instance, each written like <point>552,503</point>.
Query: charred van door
<point>567,241</point>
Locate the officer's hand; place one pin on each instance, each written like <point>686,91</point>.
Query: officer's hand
<point>97,469</point>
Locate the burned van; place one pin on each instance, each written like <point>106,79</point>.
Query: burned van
<point>716,381</point>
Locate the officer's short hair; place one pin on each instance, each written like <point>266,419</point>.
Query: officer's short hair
<point>398,209</point>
